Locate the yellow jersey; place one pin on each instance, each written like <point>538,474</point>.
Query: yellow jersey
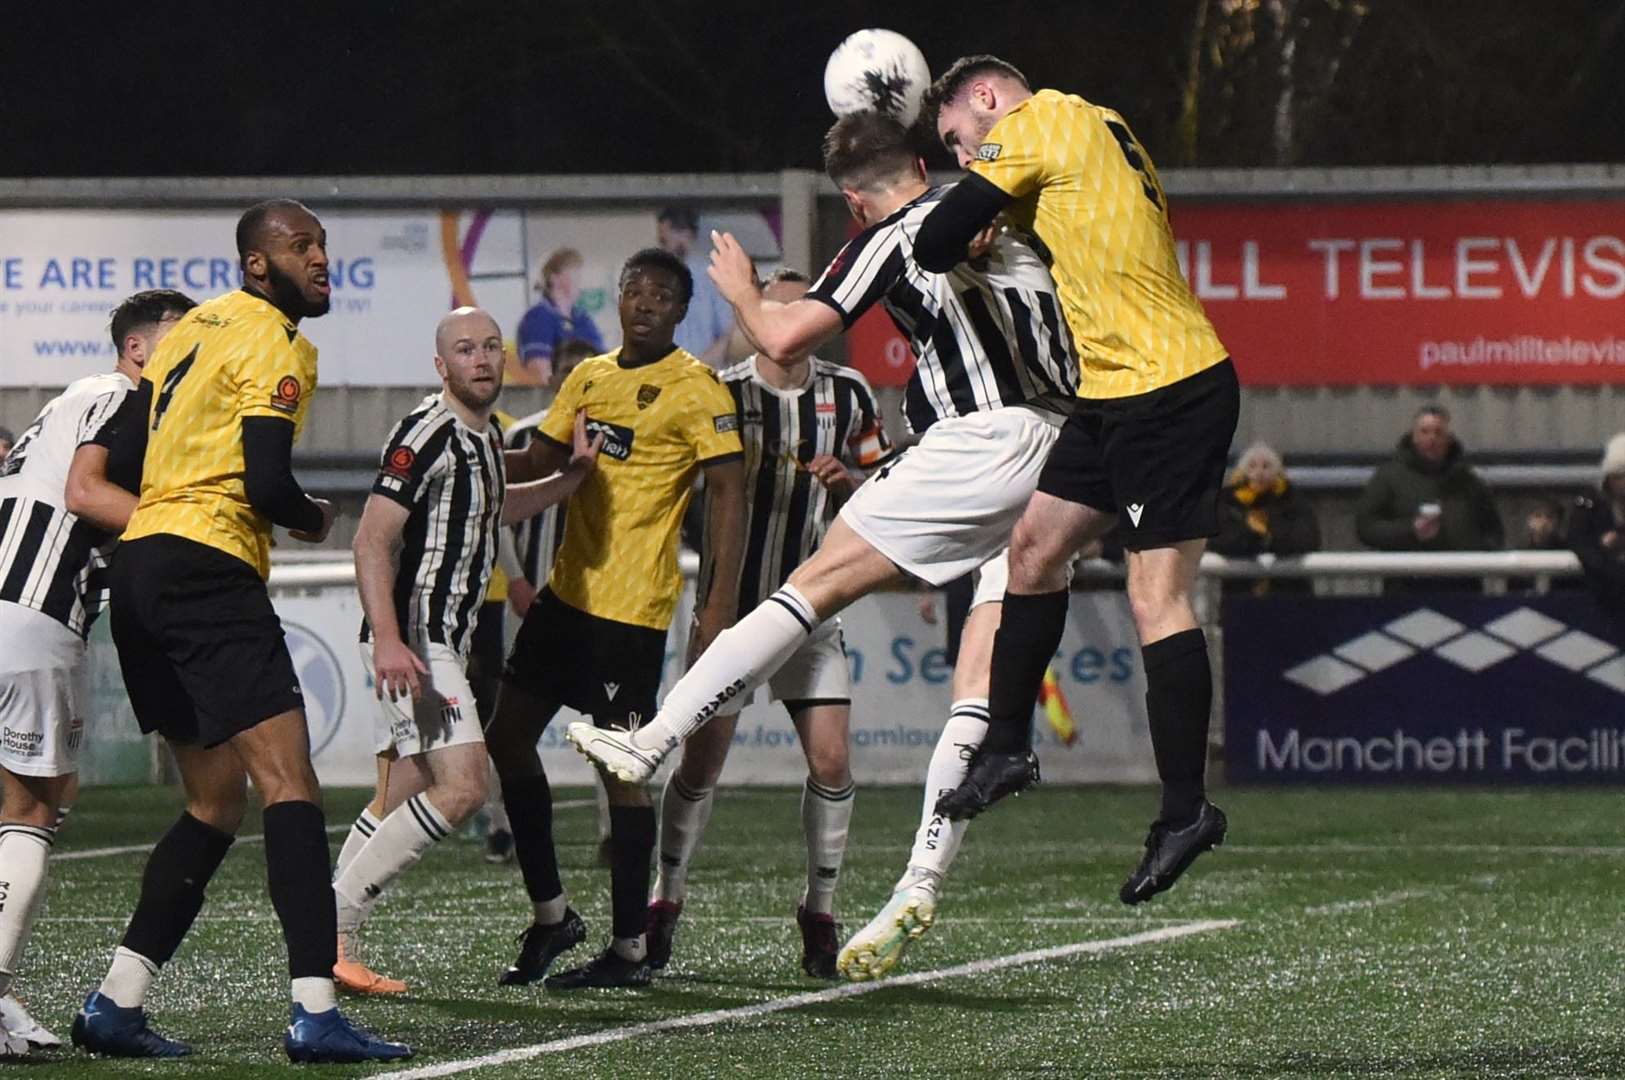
<point>231,357</point>
<point>1087,190</point>
<point>661,422</point>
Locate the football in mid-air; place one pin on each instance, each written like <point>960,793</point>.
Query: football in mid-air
<point>880,70</point>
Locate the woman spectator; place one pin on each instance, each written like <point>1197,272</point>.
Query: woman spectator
<point>1597,534</point>
<point>1262,513</point>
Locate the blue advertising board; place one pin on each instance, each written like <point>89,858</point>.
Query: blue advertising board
<point>1434,688</point>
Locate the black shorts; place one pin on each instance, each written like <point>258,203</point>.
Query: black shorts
<point>200,646</point>
<point>1156,459</point>
<point>606,669</point>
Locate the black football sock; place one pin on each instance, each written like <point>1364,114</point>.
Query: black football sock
<point>1029,633</point>
<point>172,885</point>
<point>632,835</point>
<point>529,800</point>
<point>1178,702</point>
<point>299,872</point>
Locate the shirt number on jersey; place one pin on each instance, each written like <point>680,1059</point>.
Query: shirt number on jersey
<point>1135,156</point>
<point>167,392</point>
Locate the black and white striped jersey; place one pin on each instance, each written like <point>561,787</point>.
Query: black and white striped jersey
<point>987,334</point>
<point>833,412</point>
<point>451,479</point>
<point>50,559</point>
<point>536,539</point>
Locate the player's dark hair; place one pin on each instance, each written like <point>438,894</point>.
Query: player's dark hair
<point>867,151</point>
<point>145,309</point>
<point>664,260</point>
<point>1432,408</point>
<point>787,273</point>
<point>251,226</point>
<point>966,68</point>
<point>7,437</point>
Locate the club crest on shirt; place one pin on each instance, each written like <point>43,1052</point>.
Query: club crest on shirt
<point>646,395</point>
<point>286,398</point>
<point>400,462</point>
<point>989,151</point>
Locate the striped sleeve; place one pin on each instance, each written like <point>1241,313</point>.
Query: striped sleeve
<point>867,444</point>
<point>870,264</point>
<point>415,453</point>
<point>100,410</point>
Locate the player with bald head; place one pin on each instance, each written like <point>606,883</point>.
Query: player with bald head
<point>423,557</point>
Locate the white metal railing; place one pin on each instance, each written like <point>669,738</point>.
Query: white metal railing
<point>315,570</point>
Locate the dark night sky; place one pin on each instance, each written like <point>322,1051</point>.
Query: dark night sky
<point>637,86</point>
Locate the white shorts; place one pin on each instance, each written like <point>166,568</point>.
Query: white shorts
<point>947,505</point>
<point>444,715</point>
<point>817,671</point>
<point>43,697</point>
<point>991,579</point>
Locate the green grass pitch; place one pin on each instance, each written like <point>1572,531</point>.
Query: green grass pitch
<point>1415,933</point>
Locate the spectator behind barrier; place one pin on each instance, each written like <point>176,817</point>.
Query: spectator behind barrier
<point>704,331</point>
<point>7,441</point>
<point>556,318</point>
<point>1260,513</point>
<point>1597,534</point>
<point>1426,497</point>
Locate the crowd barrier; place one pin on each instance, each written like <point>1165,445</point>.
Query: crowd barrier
<point>1312,688</point>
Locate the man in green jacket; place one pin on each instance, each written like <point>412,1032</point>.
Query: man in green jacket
<point>1426,497</point>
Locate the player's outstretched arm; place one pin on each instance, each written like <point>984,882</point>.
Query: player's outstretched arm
<point>541,457</point>
<point>781,332</point>
<point>94,497</point>
<point>269,483</point>
<point>725,537</point>
<point>377,546</point>
<point>948,231</point>
<point>526,500</point>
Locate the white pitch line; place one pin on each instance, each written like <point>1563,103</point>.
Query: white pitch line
<point>815,997</point>
<point>1341,907</point>
<point>252,838</point>
<point>754,920</point>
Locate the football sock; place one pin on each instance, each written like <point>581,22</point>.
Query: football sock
<point>632,829</point>
<point>24,850</point>
<point>1030,630</point>
<point>172,887</point>
<point>1178,702</point>
<point>737,661</point>
<point>366,823</point>
<point>314,995</point>
<point>683,814</point>
<point>937,840</point>
<point>826,816</point>
<point>299,877</point>
<point>62,813</point>
<point>410,829</point>
<point>530,811</point>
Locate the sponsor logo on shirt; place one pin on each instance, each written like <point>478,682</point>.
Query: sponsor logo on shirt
<point>400,462</point>
<point>989,151</point>
<point>286,397</point>
<point>725,424</point>
<point>617,439</point>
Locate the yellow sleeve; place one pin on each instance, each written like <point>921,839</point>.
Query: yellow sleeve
<point>560,422</point>
<point>271,377</point>
<point>712,423</point>
<point>1012,158</point>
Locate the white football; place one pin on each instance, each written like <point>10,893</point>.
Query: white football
<point>880,70</point>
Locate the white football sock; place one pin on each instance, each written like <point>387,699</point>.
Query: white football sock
<point>826,815</point>
<point>366,823</point>
<point>399,841</point>
<point>315,993</point>
<point>735,664</point>
<point>128,979</point>
<point>683,815</point>
<point>937,841</point>
<point>630,948</point>
<point>24,851</point>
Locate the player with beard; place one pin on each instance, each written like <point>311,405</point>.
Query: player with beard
<point>218,410</point>
<point>423,558</point>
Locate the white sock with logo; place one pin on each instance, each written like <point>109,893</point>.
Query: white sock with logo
<point>128,979</point>
<point>736,663</point>
<point>826,817</point>
<point>24,854</point>
<point>937,840</point>
<point>399,841</point>
<point>684,812</point>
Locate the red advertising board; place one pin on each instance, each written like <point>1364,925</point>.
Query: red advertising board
<point>1492,291</point>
